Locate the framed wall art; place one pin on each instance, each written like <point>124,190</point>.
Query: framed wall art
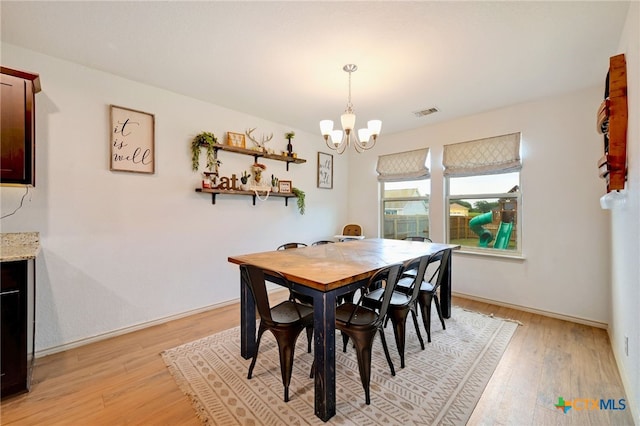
<point>284,186</point>
<point>325,170</point>
<point>236,139</point>
<point>132,141</point>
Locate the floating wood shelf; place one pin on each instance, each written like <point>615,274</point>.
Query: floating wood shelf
<point>214,192</point>
<point>259,154</point>
<point>255,154</point>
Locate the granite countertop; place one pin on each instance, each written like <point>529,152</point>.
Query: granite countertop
<point>19,246</point>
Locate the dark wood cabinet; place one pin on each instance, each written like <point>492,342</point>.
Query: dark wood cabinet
<point>17,106</point>
<point>17,326</point>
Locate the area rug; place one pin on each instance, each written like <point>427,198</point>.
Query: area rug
<point>439,385</point>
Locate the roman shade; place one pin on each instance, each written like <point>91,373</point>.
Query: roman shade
<point>499,154</point>
<point>408,165</point>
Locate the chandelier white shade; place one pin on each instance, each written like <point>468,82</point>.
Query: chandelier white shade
<point>339,140</point>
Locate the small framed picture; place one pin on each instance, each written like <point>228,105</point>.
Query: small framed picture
<point>132,140</point>
<point>284,186</point>
<point>325,170</point>
<point>235,139</point>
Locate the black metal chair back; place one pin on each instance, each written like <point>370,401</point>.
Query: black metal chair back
<point>360,324</point>
<point>429,291</point>
<point>418,238</point>
<point>285,320</point>
<point>403,300</point>
<point>321,242</point>
<point>302,298</point>
<point>288,246</point>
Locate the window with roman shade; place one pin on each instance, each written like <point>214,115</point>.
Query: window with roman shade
<point>405,189</point>
<point>483,197</point>
<point>499,154</point>
<point>401,166</point>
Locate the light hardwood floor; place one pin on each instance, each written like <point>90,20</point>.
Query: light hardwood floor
<point>123,380</point>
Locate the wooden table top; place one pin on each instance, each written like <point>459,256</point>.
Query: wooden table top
<point>329,266</point>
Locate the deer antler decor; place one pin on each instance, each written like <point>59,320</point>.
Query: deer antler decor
<point>263,141</point>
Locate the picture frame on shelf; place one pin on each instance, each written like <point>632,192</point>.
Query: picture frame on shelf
<point>325,170</point>
<point>284,186</point>
<point>236,139</point>
<point>132,140</point>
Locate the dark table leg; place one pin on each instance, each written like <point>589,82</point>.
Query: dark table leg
<point>247,321</point>
<point>324,333</point>
<point>445,290</point>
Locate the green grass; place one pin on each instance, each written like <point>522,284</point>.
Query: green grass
<point>473,242</point>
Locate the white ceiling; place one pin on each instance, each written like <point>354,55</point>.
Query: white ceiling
<point>283,61</point>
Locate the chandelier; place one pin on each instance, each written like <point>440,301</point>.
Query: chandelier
<point>340,139</point>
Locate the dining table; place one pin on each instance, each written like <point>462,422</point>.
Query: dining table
<point>326,272</point>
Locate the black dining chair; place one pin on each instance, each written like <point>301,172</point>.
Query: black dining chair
<point>418,238</point>
<point>288,246</point>
<point>361,324</point>
<point>402,303</point>
<point>322,242</point>
<point>286,320</point>
<point>429,289</point>
<point>302,298</point>
<point>412,272</point>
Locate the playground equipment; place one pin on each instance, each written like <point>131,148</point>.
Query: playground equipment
<point>504,235</point>
<point>485,236</point>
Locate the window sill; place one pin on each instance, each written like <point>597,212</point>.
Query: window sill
<point>489,253</point>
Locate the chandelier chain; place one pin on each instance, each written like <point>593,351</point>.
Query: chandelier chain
<point>349,104</point>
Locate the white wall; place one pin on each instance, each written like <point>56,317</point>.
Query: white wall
<point>565,233</point>
<point>580,261</point>
<point>121,249</point>
<point>625,230</point>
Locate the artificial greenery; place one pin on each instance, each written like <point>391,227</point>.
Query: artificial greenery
<point>244,177</point>
<point>289,136</point>
<point>300,194</point>
<point>274,181</point>
<point>207,140</point>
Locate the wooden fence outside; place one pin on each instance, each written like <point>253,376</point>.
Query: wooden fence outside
<point>401,226</point>
<point>459,228</point>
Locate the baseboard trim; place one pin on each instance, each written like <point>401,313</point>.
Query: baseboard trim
<point>569,318</point>
<point>130,329</point>
<point>77,343</point>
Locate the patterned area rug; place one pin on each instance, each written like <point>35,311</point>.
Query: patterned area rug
<point>440,385</point>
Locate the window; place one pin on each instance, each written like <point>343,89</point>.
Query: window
<point>405,189</point>
<point>483,194</point>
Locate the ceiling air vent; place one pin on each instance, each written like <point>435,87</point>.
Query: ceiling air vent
<point>424,112</point>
